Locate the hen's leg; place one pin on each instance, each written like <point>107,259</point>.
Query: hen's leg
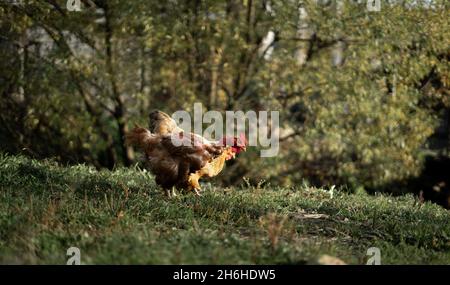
<point>193,183</point>
<point>197,192</point>
<point>163,184</point>
<point>173,192</point>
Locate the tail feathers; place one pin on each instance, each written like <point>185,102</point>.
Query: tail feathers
<point>139,137</point>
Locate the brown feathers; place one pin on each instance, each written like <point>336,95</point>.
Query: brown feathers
<point>178,159</point>
<point>163,124</point>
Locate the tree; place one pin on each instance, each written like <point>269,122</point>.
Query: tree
<point>360,93</point>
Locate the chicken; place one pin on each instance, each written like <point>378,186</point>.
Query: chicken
<point>179,159</point>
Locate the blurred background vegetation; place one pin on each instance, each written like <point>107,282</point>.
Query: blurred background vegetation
<point>363,96</point>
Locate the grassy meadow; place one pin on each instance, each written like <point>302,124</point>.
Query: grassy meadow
<point>121,217</point>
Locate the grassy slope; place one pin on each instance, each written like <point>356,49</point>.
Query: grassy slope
<point>120,217</point>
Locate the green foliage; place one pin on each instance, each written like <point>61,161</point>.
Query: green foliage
<point>365,121</point>
<point>120,217</point>
<point>73,82</point>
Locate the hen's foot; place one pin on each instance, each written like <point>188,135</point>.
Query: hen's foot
<point>193,181</point>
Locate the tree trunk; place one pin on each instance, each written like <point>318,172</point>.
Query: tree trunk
<point>304,34</point>
<point>338,49</point>
<point>216,59</point>
<point>119,109</point>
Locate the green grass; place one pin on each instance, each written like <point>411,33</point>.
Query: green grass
<point>120,217</point>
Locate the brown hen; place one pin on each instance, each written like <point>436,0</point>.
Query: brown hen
<point>179,159</point>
